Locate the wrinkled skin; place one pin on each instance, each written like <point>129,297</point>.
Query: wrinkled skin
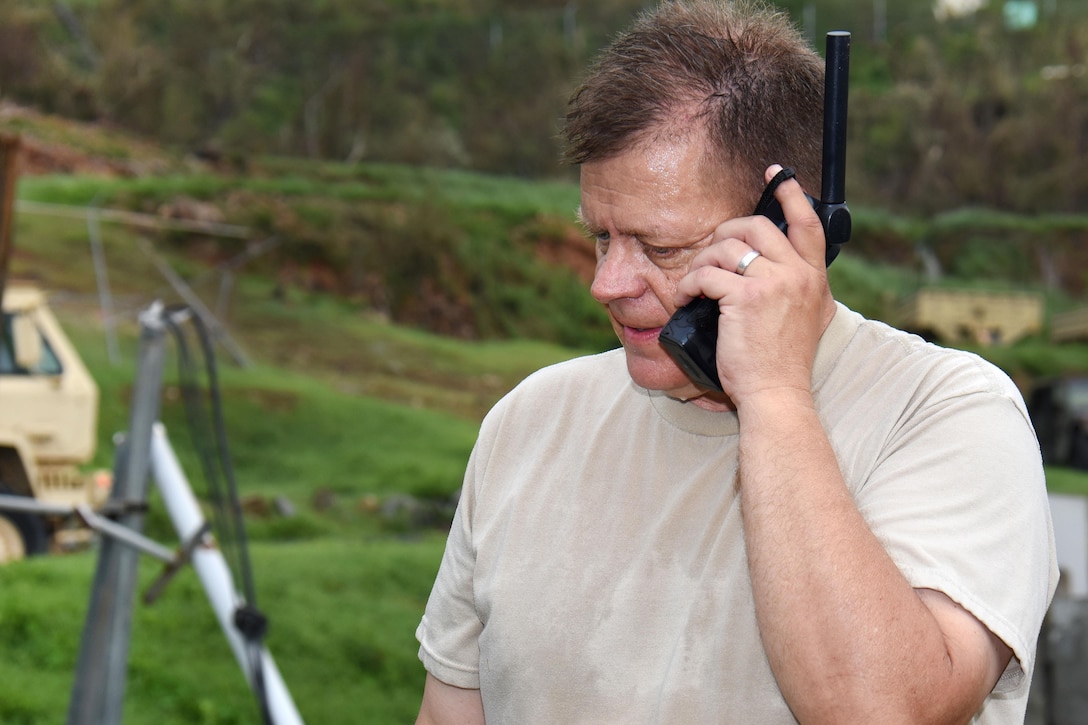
<point>666,233</point>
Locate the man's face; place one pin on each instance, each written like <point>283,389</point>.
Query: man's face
<point>650,210</point>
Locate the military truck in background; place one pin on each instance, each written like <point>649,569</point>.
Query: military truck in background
<point>1069,326</point>
<point>48,427</point>
<point>48,409</point>
<point>979,317</point>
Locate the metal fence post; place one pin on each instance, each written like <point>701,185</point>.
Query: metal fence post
<point>99,688</point>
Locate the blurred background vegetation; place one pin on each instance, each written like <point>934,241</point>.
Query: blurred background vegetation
<point>409,252</point>
<point>966,131</point>
<point>972,110</point>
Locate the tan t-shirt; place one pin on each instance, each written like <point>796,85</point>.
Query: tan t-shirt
<point>596,571</point>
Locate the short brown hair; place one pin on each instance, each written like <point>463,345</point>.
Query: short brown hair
<point>738,68</point>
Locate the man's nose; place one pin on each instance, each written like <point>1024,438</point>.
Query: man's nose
<point>619,273</point>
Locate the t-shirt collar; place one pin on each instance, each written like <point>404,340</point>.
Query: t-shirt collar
<point>699,421</point>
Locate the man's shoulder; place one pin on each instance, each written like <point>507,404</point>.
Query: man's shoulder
<point>587,374</point>
<point>563,391</point>
<point>577,381</point>
<point>875,345</point>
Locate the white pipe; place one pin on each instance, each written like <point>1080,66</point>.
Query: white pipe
<point>214,574</point>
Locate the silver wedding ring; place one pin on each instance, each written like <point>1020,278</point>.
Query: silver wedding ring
<point>746,261</point>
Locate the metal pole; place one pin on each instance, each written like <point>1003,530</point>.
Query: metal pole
<point>211,567</point>
<point>199,309</point>
<point>809,14</point>
<point>880,21</point>
<point>99,688</point>
<point>101,274</point>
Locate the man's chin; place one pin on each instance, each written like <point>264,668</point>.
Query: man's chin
<point>663,375</point>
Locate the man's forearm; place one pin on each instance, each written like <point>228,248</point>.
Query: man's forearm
<point>448,705</point>
<point>847,637</point>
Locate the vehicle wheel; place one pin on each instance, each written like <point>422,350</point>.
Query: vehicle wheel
<point>21,534</point>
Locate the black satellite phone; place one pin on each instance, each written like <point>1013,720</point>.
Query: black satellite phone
<point>691,335</point>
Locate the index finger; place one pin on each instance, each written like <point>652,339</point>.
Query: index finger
<point>804,231</point>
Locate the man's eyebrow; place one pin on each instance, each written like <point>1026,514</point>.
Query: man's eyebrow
<point>583,223</point>
<point>646,237</point>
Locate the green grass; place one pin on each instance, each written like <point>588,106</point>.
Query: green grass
<point>339,412</point>
<point>455,252</point>
<point>342,586</point>
<point>286,178</point>
<point>342,620</point>
<point>1066,480</point>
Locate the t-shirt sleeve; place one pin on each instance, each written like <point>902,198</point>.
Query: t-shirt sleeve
<point>449,631</point>
<point>959,501</point>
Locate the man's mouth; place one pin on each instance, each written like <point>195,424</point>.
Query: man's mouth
<point>641,333</point>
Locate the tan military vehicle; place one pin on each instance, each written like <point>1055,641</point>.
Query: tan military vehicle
<point>48,427</point>
<point>980,317</point>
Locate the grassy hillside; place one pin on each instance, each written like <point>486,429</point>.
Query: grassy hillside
<point>342,615</point>
<point>339,413</point>
<point>944,113</point>
<point>343,581</point>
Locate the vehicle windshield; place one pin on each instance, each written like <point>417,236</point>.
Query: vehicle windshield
<point>50,364</point>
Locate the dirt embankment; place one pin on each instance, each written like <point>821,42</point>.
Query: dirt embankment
<point>53,145</point>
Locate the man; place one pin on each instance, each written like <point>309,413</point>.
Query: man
<point>855,531</point>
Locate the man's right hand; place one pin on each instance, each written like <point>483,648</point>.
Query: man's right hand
<point>772,313</point>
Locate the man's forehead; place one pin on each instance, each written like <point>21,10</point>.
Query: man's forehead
<point>644,201</point>
<point>641,222</point>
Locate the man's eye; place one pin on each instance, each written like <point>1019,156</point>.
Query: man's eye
<point>601,237</point>
<point>663,252</point>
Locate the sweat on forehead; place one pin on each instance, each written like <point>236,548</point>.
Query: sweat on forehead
<point>718,170</point>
